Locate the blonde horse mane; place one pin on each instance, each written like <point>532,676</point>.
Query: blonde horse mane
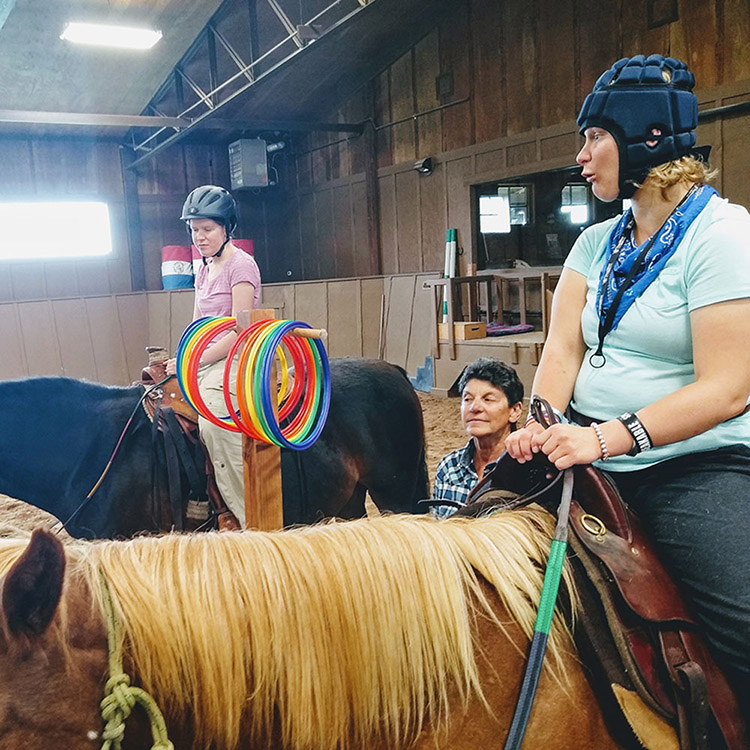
<point>332,634</point>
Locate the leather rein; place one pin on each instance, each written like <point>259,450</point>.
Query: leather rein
<point>108,466</point>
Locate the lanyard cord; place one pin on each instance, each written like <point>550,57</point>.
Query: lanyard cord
<point>606,320</point>
<point>605,324</point>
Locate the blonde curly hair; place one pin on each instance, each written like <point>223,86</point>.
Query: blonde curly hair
<point>686,168</point>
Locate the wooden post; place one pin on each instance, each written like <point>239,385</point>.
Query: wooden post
<point>263,500</point>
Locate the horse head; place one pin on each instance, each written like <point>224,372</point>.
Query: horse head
<point>44,701</point>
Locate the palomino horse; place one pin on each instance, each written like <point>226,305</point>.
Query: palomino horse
<point>57,435</point>
<point>386,633</point>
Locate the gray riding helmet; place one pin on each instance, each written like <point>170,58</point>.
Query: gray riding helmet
<point>211,202</point>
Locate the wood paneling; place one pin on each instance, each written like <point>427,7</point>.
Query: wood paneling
<point>426,68</point>
<point>310,257</point>
<point>597,40</point>
<point>344,323</point>
<point>13,363</point>
<point>524,68</point>
<point>104,338</point>
<point>519,60</point>
<point>324,239</point>
<point>735,159</point>
<point>364,262</point>
<point>694,38</point>
<point>382,116</point>
<point>107,338</point>
<point>402,106</point>
<point>556,61</point>
<point>455,57</point>
<point>40,339</point>
<point>433,211</point>
<point>388,224</point>
<point>407,221</point>
<point>311,304</point>
<point>399,301</point>
<point>343,231</point>
<point>76,349</point>
<point>373,303</point>
<point>735,31</point>
<point>490,112</point>
<point>459,208</point>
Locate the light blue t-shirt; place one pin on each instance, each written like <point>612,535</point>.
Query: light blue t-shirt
<point>650,354</point>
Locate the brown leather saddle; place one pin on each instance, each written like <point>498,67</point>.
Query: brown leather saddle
<point>177,422</point>
<point>167,394</point>
<point>634,625</point>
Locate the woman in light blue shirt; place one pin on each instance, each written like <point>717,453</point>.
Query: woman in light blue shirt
<point>649,344</point>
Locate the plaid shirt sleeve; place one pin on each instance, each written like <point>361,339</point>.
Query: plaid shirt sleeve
<point>453,481</point>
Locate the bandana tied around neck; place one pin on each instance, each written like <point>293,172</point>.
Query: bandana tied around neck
<point>631,268</point>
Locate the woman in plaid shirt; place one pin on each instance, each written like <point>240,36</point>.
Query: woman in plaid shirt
<point>491,405</point>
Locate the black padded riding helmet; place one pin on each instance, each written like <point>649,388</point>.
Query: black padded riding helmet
<point>211,202</point>
<point>648,105</point>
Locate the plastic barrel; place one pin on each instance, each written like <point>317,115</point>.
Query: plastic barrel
<point>176,267</point>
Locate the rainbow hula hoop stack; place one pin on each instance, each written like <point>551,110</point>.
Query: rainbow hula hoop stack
<point>301,403</point>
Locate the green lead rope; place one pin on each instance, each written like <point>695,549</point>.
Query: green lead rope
<point>546,610</point>
<point>119,696</point>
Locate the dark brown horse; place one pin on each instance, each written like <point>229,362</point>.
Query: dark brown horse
<point>57,434</point>
<point>390,633</point>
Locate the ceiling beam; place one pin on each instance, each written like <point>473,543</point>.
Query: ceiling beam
<point>84,119</point>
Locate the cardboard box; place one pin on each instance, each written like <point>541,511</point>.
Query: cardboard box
<point>463,331</point>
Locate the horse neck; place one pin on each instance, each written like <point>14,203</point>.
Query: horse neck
<point>56,435</point>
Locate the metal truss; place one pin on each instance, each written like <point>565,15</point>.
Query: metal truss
<point>172,129</point>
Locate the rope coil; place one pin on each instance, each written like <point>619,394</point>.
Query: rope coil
<point>292,418</point>
<point>119,696</point>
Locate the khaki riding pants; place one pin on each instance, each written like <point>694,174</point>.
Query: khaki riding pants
<point>224,447</point>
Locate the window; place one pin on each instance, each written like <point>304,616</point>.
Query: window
<point>70,229</point>
<point>575,203</point>
<point>494,214</point>
<point>498,213</point>
<point>519,203</point>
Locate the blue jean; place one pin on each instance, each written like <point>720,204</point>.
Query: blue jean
<point>696,509</point>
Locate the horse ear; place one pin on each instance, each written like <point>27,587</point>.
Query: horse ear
<point>33,586</point>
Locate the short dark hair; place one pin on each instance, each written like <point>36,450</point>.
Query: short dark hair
<point>494,371</point>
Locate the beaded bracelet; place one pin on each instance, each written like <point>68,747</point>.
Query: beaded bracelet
<point>602,444</point>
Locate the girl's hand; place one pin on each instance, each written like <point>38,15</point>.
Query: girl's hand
<point>171,365</point>
<point>567,445</point>
<point>522,444</point>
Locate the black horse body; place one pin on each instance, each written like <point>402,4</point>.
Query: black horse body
<point>57,434</point>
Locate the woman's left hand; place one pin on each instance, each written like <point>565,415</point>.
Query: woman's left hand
<point>567,445</point>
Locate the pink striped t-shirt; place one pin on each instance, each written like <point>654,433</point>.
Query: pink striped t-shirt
<point>214,296</point>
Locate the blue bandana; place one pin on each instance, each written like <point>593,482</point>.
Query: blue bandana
<point>662,247</point>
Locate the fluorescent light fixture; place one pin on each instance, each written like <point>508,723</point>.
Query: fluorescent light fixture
<point>103,35</point>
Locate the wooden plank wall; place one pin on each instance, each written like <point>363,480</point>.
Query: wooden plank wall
<point>517,73</point>
<point>103,338</point>
<point>514,73</point>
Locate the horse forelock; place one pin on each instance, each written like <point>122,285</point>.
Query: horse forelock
<point>328,636</point>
